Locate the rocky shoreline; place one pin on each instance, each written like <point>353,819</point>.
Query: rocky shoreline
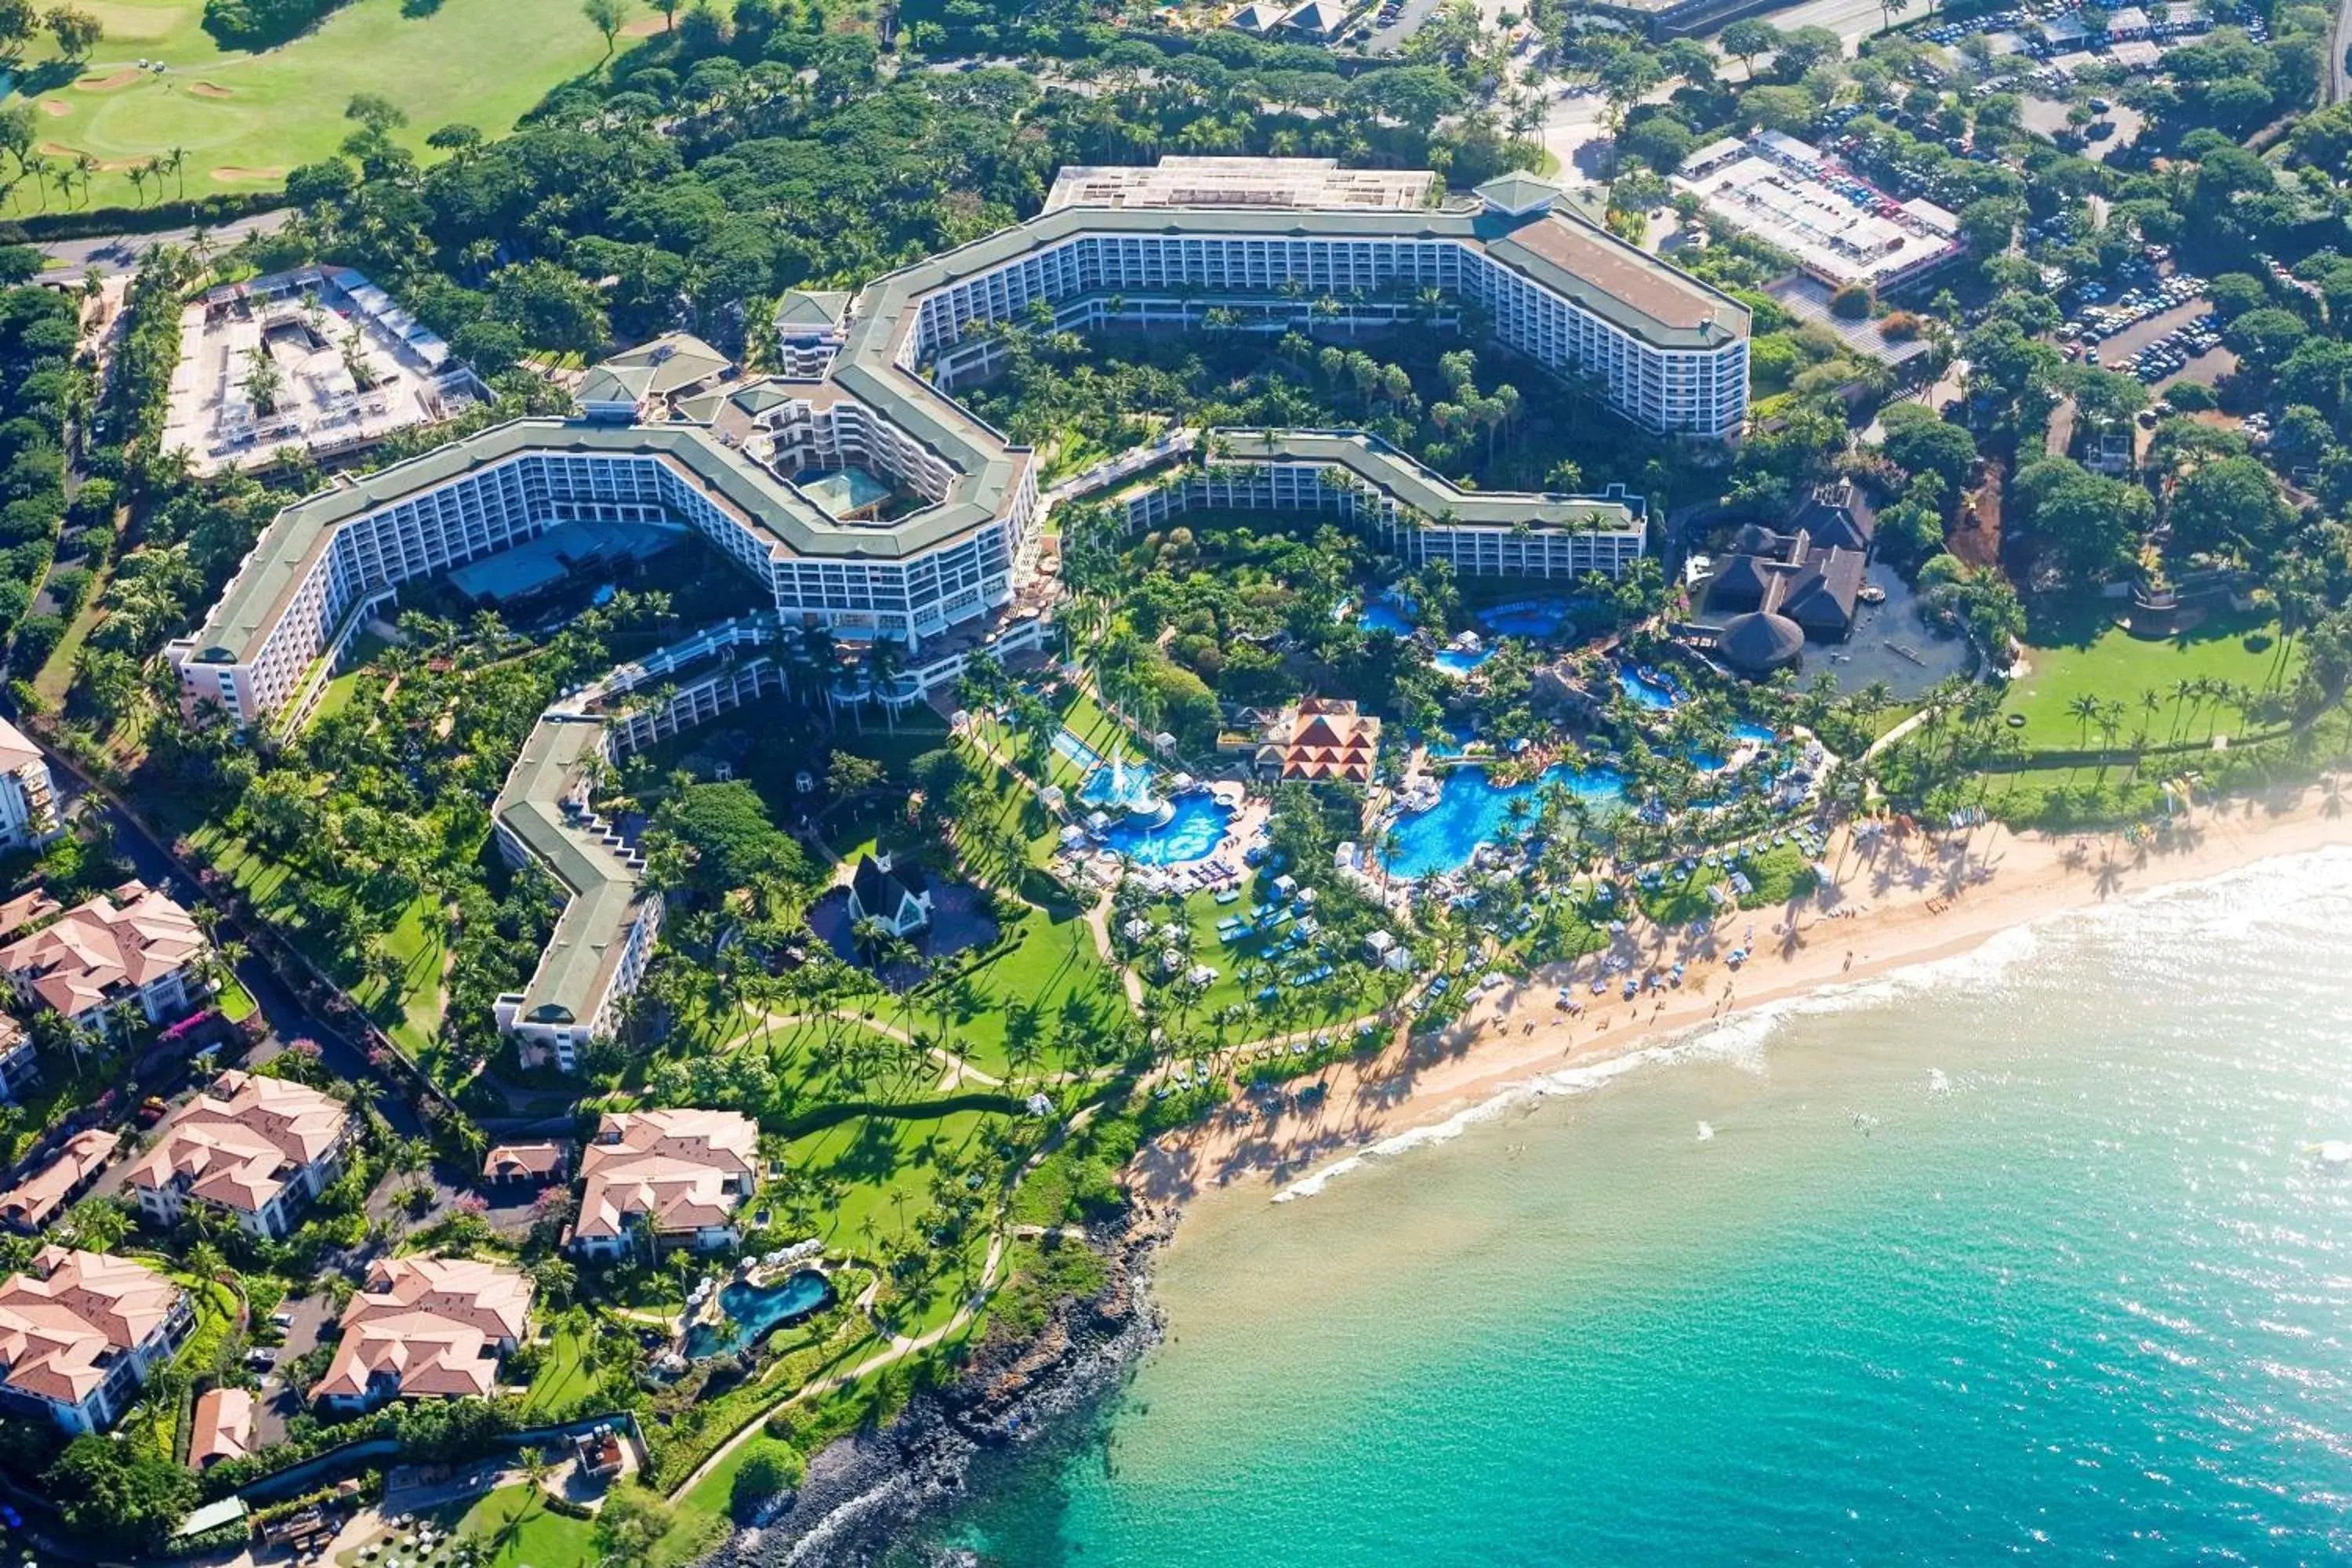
<point>862,1493</point>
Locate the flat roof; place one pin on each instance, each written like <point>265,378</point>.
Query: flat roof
<point>1625,285</point>
<point>592,929</point>
<point>1378,464</point>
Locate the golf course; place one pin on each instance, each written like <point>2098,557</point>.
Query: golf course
<point>230,120</point>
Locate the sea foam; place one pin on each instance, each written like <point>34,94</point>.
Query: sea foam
<point>2296,890</point>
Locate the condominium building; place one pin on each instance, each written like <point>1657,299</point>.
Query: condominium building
<point>32,1203</point>
<point>673,1177</point>
<point>81,1333</point>
<point>137,948</point>
<point>20,1063</point>
<point>868,501</point>
<point>28,809</point>
<point>426,1328</point>
<point>254,1150</point>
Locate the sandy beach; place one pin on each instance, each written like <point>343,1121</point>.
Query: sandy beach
<point>1898,899</point>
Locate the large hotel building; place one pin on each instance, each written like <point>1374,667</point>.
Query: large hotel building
<point>873,504</point>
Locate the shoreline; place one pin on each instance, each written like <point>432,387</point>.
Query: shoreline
<point>1898,902</point>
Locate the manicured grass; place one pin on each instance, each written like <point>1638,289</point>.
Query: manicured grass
<point>243,118</point>
<point>563,1377</point>
<point>2110,666</point>
<point>235,1003</point>
<point>883,1166</point>
<point>517,1528</point>
<point>415,939</point>
<point>1051,984</point>
<point>713,1498</point>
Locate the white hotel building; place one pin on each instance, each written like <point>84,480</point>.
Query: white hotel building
<point>783,474</point>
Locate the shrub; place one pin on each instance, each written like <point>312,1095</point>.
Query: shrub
<point>1851,304</point>
<point>1900,326</point>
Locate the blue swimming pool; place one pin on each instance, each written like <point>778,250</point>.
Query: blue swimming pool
<point>753,1310</point>
<point>1195,829</point>
<point>1527,618</point>
<point>1472,810</point>
<point>1380,615</point>
<point>1456,661</point>
<point>1116,786</point>
<point>1742,733</point>
<point>1644,692</point>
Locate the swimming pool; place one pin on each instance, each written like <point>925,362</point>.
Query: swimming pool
<point>1195,827</point>
<point>1527,618</point>
<point>1472,810</point>
<point>1458,661</point>
<point>1379,616</point>
<point>1645,691</point>
<point>753,1310</point>
<point>1742,733</point>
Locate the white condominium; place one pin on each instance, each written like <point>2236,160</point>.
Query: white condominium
<point>81,1333</point>
<point>144,951</point>
<point>868,501</point>
<point>677,1176</point>
<point>426,1328</point>
<point>28,807</point>
<point>252,1149</point>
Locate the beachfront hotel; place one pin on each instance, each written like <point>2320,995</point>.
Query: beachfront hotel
<point>870,503</point>
<point>671,1178</point>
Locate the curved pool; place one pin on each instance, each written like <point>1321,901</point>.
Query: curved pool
<point>753,1310</point>
<point>1195,827</point>
<point>1380,615</point>
<point>1472,810</point>
<point>1460,661</point>
<point>1645,691</point>
<point>1527,618</point>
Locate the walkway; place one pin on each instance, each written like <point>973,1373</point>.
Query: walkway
<point>958,1068</point>
<point>898,1351</point>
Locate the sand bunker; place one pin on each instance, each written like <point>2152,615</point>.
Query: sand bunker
<point>124,77</point>
<point>642,27</point>
<point>233,174</point>
<point>51,106</point>
<point>208,89</point>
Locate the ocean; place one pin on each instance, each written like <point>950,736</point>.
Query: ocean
<point>2025,1255</point>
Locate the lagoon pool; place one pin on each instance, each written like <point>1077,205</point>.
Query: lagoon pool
<point>1192,832</point>
<point>1471,810</point>
<point>1527,618</point>
<point>1458,661</point>
<point>753,1310</point>
<point>1119,787</point>
<point>1742,733</point>
<point>1380,615</point>
<point>1645,692</point>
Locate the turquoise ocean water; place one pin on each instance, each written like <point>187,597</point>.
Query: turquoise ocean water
<point>2024,1256</point>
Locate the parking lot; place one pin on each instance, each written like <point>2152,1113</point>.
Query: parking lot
<point>2155,330</point>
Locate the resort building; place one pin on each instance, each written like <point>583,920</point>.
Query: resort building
<point>20,1063</point>
<point>41,1197</point>
<point>28,807</point>
<point>319,361</point>
<point>665,1178</point>
<point>253,1149</point>
<point>81,1333</point>
<point>1840,228</point>
<point>425,1327</point>
<point>1313,184</point>
<point>1322,739</point>
<point>872,504</point>
<point>144,952</point>
<point>1414,513</point>
<point>524,1164</point>
<point>221,1427</point>
<point>898,898</point>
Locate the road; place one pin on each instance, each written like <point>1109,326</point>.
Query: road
<point>116,253</point>
<point>2339,77</point>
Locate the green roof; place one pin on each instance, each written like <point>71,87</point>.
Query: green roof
<point>575,969</point>
<point>1518,192</point>
<point>1378,464</point>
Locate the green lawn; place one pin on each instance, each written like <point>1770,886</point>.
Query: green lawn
<point>1050,985</point>
<point>882,1166</point>
<point>515,1529</point>
<point>2110,666</point>
<point>243,118</point>
<point>416,939</point>
<point>563,1377</point>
